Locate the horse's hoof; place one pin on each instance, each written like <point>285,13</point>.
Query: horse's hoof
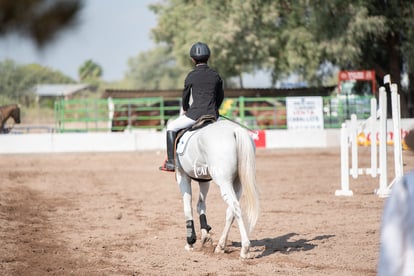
<point>246,254</point>
<point>205,237</point>
<point>189,247</point>
<point>219,249</point>
<point>250,255</point>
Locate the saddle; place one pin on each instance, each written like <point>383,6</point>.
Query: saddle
<point>181,141</point>
<point>184,135</point>
<point>203,121</point>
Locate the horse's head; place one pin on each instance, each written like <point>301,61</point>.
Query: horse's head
<point>15,114</point>
<point>11,110</point>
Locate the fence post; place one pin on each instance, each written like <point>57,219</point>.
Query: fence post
<point>242,108</point>
<point>62,115</point>
<point>162,113</point>
<point>111,110</point>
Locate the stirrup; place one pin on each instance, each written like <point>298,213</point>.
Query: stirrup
<point>168,167</point>
<point>163,168</point>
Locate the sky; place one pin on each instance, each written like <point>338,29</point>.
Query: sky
<point>109,33</point>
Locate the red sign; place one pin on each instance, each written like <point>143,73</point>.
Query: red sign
<point>259,138</point>
<point>362,75</point>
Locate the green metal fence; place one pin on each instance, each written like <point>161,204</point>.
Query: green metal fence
<point>142,113</point>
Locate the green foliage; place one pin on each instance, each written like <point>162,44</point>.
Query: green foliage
<point>17,81</point>
<point>290,36</point>
<point>90,72</point>
<point>4,100</point>
<point>238,33</point>
<point>155,69</point>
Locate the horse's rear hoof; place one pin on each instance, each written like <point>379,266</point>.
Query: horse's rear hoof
<point>246,254</point>
<point>249,256</point>
<point>189,247</point>
<point>219,250</point>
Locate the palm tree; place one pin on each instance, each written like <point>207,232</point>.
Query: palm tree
<point>90,71</point>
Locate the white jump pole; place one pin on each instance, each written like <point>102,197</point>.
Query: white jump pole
<point>344,191</point>
<point>353,134</point>
<point>383,189</point>
<point>396,117</point>
<point>373,171</point>
<point>349,135</point>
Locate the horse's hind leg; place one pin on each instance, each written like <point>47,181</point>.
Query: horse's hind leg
<point>186,192</point>
<point>201,209</point>
<point>245,241</point>
<point>225,192</point>
<point>231,195</point>
<point>221,246</point>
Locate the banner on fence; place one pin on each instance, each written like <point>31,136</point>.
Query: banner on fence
<point>304,112</point>
<point>364,138</point>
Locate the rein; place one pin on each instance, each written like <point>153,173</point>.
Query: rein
<point>240,124</point>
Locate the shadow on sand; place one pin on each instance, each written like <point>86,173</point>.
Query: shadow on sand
<point>283,244</point>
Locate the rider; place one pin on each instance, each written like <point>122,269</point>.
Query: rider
<point>202,95</point>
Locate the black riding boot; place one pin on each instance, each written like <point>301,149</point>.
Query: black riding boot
<point>169,164</point>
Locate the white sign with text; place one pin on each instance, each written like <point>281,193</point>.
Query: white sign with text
<point>304,112</point>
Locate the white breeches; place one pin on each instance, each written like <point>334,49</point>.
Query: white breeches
<point>180,123</point>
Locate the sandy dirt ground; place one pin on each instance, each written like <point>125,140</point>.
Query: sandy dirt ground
<point>116,214</point>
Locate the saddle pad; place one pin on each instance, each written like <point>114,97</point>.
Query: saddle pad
<point>181,144</point>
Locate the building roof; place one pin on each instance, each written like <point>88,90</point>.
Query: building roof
<point>56,90</point>
<point>229,92</point>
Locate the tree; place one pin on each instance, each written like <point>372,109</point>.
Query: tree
<point>292,36</point>
<point>155,69</point>
<point>283,36</point>
<point>228,27</point>
<point>90,72</point>
<point>372,34</point>
<point>17,81</point>
<point>39,20</point>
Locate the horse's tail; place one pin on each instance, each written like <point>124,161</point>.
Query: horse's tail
<point>246,160</point>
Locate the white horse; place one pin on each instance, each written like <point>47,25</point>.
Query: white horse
<point>397,230</point>
<point>225,153</point>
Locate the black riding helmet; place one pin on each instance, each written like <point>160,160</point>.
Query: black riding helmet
<point>200,52</point>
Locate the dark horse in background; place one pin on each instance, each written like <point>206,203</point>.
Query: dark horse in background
<point>267,114</point>
<point>6,112</point>
<point>144,116</point>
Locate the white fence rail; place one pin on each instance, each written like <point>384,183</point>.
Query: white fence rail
<point>141,140</point>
